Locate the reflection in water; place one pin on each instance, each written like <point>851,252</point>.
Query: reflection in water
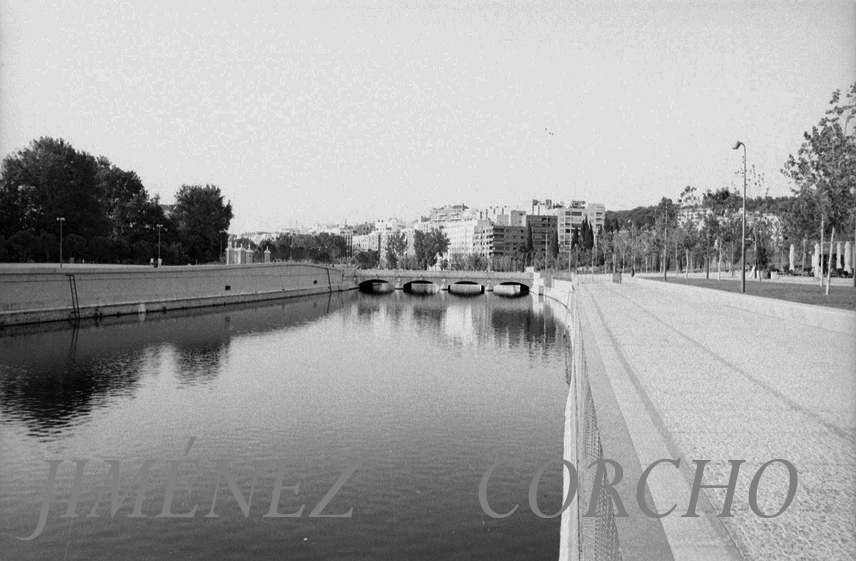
<point>198,364</point>
<point>53,379</point>
<point>427,391</point>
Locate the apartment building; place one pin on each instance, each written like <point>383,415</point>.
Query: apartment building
<point>571,218</point>
<point>503,215</point>
<point>542,227</point>
<point>462,235</point>
<point>494,240</point>
<point>450,213</point>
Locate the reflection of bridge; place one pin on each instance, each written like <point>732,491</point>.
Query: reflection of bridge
<point>399,279</point>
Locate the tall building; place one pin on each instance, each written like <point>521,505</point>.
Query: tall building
<point>571,218</point>
<point>448,213</point>
<point>503,215</point>
<point>363,229</point>
<point>366,242</point>
<point>543,226</point>
<point>462,236</point>
<point>495,240</point>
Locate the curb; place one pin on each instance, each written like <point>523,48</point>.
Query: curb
<point>831,319</point>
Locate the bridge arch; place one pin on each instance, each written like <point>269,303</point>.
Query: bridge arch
<point>466,288</point>
<point>511,289</point>
<point>376,286</point>
<point>420,286</point>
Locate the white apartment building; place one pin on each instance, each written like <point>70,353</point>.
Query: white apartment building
<point>365,242</point>
<point>571,218</point>
<point>462,235</point>
<point>450,213</point>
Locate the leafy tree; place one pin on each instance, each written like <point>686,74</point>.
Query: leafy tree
<point>824,170</point>
<point>22,245</point>
<point>46,180</point>
<point>132,214</point>
<point>588,235</point>
<point>396,246</point>
<point>554,244</point>
<point>202,219</point>
<point>106,206</point>
<point>428,245</point>
<point>666,214</point>
<point>367,259</point>
<point>73,245</point>
<point>723,221</point>
<point>530,245</point>
<point>408,262</point>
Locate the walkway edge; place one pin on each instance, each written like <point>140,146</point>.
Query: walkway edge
<point>690,539</point>
<point>831,319</point>
<point>640,537</point>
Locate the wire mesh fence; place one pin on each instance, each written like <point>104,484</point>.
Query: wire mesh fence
<point>596,537</point>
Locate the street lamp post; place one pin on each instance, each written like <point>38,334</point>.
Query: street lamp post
<point>853,249</point>
<point>852,192</point>
<point>160,226</point>
<point>60,220</point>
<point>743,236</point>
<point>665,243</point>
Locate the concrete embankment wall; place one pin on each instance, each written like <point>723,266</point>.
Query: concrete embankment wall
<point>32,295</point>
<point>594,421</point>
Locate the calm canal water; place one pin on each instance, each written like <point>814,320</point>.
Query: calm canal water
<point>427,392</point>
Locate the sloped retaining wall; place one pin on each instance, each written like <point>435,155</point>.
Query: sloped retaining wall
<point>33,295</point>
<point>832,319</point>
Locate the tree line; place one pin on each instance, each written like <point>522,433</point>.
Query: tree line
<point>821,207</point>
<point>698,228</point>
<point>109,216</point>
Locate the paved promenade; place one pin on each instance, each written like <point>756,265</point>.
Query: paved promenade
<point>700,380</point>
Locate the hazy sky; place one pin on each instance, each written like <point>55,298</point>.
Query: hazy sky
<point>360,110</point>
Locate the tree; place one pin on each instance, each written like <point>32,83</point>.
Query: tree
<point>74,245</point>
<point>428,245</point>
<point>824,170</point>
<point>419,247</point>
<point>46,180</point>
<point>554,245</point>
<point>22,245</point>
<point>530,245</point>
<point>106,206</point>
<point>367,259</point>
<point>665,225</point>
<point>687,229</point>
<point>396,246</point>
<point>202,219</point>
<point>132,214</point>
<point>588,235</point>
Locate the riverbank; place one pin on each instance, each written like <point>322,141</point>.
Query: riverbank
<point>41,294</point>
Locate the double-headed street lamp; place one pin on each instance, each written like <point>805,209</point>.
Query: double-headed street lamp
<point>743,237</point>
<point>60,220</point>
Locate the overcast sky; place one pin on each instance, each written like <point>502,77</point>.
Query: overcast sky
<point>302,112</point>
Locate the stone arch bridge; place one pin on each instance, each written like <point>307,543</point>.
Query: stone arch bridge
<point>399,278</point>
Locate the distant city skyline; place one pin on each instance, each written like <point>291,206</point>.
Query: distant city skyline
<point>332,112</point>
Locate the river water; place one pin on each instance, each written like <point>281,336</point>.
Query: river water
<point>416,395</point>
